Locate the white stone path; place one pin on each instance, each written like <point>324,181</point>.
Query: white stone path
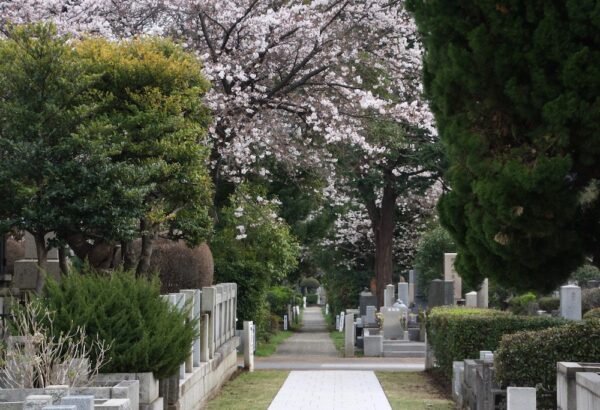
<point>331,390</point>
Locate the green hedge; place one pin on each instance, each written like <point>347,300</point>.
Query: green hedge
<point>312,299</point>
<point>528,359</point>
<point>146,333</point>
<point>592,314</point>
<point>549,303</point>
<point>460,333</point>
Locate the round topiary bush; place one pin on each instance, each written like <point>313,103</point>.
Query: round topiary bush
<point>592,314</point>
<point>590,299</point>
<point>549,303</point>
<point>585,273</point>
<point>311,284</point>
<point>146,333</point>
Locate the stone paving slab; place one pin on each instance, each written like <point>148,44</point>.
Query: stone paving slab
<point>331,390</point>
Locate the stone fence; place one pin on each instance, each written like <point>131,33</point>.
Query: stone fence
<point>212,360</point>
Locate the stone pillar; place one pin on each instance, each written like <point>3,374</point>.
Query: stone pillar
<point>342,321</point>
<point>349,335</point>
<point>411,286</point>
<point>249,345</point>
<point>204,345</point>
<point>304,302</point>
<point>570,302</point>
<point>403,293</point>
<point>337,321</point>
<point>192,297</point>
<point>471,299</point>
<point>450,274</point>
<point>209,301</point>
<point>483,295</point>
<point>285,322</point>
<point>520,398</point>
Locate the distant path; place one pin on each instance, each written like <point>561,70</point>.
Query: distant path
<point>331,390</point>
<point>312,339</point>
<point>312,349</point>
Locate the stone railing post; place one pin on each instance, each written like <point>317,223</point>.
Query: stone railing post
<point>209,302</point>
<point>249,345</point>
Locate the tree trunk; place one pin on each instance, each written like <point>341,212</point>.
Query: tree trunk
<point>42,255</point>
<point>383,228</point>
<point>128,255</point>
<point>149,235</point>
<point>62,260</point>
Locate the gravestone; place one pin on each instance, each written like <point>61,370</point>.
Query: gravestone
<point>342,321</point>
<point>450,274</point>
<point>570,302</point>
<point>520,398</point>
<point>392,328</point>
<point>471,299</point>
<point>285,322</point>
<point>388,296</point>
<point>349,335</point>
<point>373,343</point>
<point>370,317</point>
<point>365,299</point>
<point>326,309</point>
<point>304,302</point>
<point>403,292</point>
<point>337,321</point>
<point>411,287</point>
<point>26,270</point>
<point>483,295</point>
<point>249,333</point>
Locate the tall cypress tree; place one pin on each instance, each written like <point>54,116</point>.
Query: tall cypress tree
<point>515,87</point>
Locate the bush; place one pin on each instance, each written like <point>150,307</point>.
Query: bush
<point>590,299</point>
<point>312,299</point>
<point>311,284</point>
<point>429,257</point>
<point>279,297</point>
<point>145,332</point>
<point>549,303</point>
<point>519,305</point>
<point>592,314</point>
<point>529,358</point>
<point>585,273</point>
<point>460,333</point>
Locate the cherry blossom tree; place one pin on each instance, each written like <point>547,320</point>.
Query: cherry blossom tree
<point>291,82</point>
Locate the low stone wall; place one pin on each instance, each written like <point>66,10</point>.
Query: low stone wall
<point>206,380</point>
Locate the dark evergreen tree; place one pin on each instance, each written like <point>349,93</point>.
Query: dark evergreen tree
<point>515,87</point>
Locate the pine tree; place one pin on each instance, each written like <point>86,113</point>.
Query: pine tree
<point>515,88</point>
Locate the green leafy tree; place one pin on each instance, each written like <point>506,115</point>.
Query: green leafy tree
<point>51,148</point>
<point>429,258</point>
<point>514,86</point>
<point>254,248</point>
<point>101,142</point>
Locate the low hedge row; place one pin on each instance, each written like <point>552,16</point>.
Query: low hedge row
<point>460,333</point>
<point>528,359</point>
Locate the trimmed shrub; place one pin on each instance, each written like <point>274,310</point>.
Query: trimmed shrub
<point>146,333</point>
<point>585,273</point>
<point>311,284</point>
<point>592,314</point>
<point>549,303</point>
<point>429,256</point>
<point>279,297</point>
<point>460,333</point>
<point>529,358</point>
<point>590,299</point>
<point>519,305</point>
<point>312,299</point>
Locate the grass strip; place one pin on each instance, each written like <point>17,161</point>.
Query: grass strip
<point>249,391</point>
<point>413,390</point>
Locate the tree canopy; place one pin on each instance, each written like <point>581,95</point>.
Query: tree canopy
<point>515,90</point>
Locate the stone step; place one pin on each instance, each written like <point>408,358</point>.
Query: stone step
<point>403,349</point>
<point>403,354</point>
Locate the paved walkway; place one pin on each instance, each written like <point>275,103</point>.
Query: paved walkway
<point>312,339</point>
<point>312,349</point>
<point>331,390</point>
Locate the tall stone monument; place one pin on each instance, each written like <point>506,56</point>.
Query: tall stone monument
<point>27,269</point>
<point>450,274</point>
